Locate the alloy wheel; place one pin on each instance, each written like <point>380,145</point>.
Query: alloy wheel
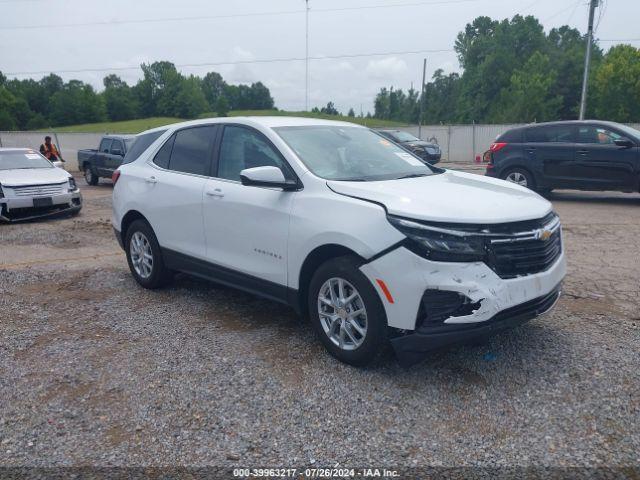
<point>141,255</point>
<point>342,312</point>
<point>517,177</point>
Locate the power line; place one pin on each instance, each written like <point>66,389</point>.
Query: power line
<point>232,15</point>
<point>239,62</point>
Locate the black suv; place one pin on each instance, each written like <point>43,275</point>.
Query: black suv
<point>581,155</point>
<point>429,152</point>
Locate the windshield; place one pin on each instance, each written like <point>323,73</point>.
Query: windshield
<point>404,137</point>
<point>19,160</point>
<point>351,153</point>
<point>629,131</point>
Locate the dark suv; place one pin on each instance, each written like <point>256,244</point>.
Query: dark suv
<point>429,152</point>
<point>581,155</point>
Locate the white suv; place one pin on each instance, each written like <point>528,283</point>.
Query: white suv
<point>344,226</point>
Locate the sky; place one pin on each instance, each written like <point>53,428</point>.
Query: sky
<point>116,36</point>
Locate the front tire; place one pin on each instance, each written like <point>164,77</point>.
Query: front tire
<point>347,312</point>
<point>519,176</point>
<point>144,256</point>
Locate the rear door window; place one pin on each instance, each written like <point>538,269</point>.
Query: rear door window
<point>191,151</point>
<point>551,134</point>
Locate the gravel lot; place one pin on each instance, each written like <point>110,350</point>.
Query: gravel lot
<point>97,371</point>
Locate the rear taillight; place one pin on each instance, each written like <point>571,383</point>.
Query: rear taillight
<point>497,146</point>
<point>115,176</point>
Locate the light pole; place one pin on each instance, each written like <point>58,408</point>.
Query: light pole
<point>306,61</point>
<point>587,59</point>
<point>424,73</point>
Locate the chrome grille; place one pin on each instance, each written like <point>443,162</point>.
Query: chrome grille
<point>526,254</point>
<point>39,190</point>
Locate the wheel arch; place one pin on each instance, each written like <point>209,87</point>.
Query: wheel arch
<point>312,262</point>
<point>128,219</point>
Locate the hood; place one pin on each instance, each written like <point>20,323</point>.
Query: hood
<point>421,143</point>
<point>32,176</point>
<point>450,197</point>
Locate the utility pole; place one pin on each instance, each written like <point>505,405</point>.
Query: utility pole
<point>587,59</point>
<point>424,73</point>
<point>306,61</point>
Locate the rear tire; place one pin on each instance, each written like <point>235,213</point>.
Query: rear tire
<point>347,312</point>
<point>145,257</point>
<point>90,176</point>
<point>519,176</point>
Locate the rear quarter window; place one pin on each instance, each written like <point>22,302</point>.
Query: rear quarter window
<point>140,144</point>
<point>511,136</point>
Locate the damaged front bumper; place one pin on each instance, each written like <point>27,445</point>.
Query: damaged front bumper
<point>490,303</point>
<point>411,348</point>
<point>23,209</point>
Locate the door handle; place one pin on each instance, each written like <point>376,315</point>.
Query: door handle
<point>215,193</point>
<point>583,152</point>
<point>531,150</point>
<point>151,180</point>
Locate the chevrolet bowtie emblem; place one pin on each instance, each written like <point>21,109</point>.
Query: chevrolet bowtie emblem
<point>544,235</point>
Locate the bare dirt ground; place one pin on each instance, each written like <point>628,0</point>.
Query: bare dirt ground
<point>97,371</point>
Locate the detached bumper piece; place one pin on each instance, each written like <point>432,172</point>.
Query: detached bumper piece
<point>414,347</point>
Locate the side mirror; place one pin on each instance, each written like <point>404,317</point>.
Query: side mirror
<point>624,142</point>
<point>116,152</point>
<point>266,177</point>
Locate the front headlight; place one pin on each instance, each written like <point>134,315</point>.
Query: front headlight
<point>72,184</point>
<point>440,244</point>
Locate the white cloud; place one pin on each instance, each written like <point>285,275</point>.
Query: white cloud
<point>386,68</point>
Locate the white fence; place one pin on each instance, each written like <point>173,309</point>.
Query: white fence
<point>459,143</point>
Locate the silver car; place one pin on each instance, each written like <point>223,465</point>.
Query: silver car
<point>33,187</point>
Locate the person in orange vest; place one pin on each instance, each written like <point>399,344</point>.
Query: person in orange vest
<point>49,150</point>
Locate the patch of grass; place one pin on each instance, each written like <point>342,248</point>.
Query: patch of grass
<point>369,122</point>
<point>126,126</point>
<point>142,124</point>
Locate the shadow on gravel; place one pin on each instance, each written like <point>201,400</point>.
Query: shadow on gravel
<point>289,345</point>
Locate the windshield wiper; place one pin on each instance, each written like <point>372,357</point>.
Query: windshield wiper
<point>413,175</point>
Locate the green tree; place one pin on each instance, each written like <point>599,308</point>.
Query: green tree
<point>222,106</point>
<point>77,102</point>
<point>7,102</point>
<point>119,99</point>
<point>531,94</point>
<point>351,113</point>
<point>158,90</point>
<point>440,98</point>
<point>190,101</point>
<point>330,109</point>
<point>260,97</point>
<point>490,51</point>
<point>566,53</point>
<point>213,86</point>
<point>616,86</point>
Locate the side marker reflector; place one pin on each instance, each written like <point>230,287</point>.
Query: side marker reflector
<point>385,290</point>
